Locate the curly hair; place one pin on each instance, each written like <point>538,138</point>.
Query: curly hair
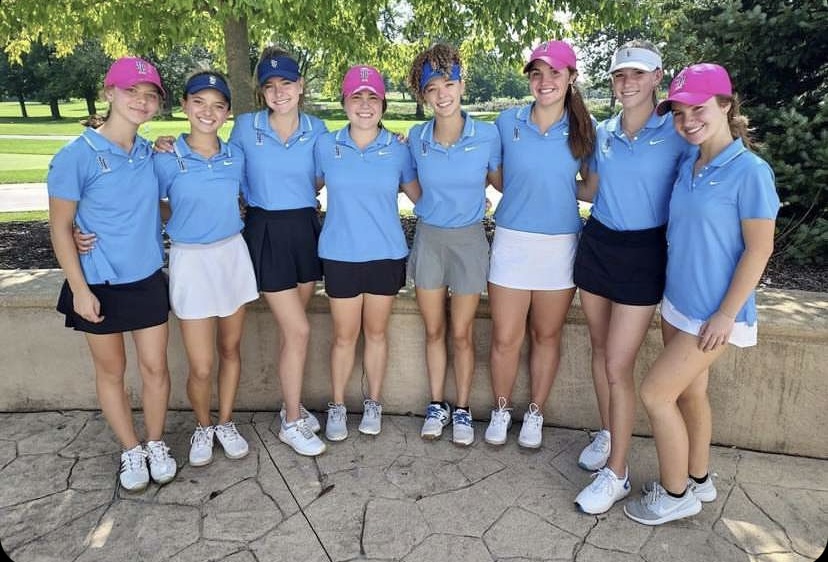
<point>441,56</point>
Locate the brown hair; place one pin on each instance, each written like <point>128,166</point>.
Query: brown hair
<point>272,51</point>
<point>650,46</point>
<point>441,56</point>
<point>581,131</point>
<point>738,123</point>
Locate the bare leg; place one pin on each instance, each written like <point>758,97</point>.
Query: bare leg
<point>432,303</point>
<point>546,321</point>
<point>463,311</point>
<point>376,312</point>
<point>109,358</point>
<point>347,322</point>
<point>151,349</point>
<point>509,310</point>
<point>198,344</point>
<point>228,341</point>
<point>597,310</point>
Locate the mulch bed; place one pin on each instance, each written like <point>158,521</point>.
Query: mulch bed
<point>26,245</point>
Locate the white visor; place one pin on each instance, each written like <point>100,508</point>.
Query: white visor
<point>635,57</point>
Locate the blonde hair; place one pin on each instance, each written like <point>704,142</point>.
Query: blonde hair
<point>273,51</point>
<point>650,46</point>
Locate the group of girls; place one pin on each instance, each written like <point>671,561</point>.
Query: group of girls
<point>658,228</point>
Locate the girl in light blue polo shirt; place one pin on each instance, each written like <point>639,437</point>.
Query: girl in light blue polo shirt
<point>282,225</point>
<point>363,166</point>
<point>720,237</point>
<point>545,145</point>
<point>104,182</point>
<point>211,275</point>
<point>456,158</point>
<point>622,257</point>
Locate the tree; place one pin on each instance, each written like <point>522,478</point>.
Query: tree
<point>86,67</point>
<point>342,32</point>
<point>17,81</point>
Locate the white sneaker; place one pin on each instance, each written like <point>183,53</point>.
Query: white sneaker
<point>605,490</point>
<point>461,427</point>
<point>531,431</point>
<point>310,419</point>
<point>301,438</point>
<point>134,476</point>
<point>596,454</point>
<point>499,424</point>
<point>436,418</point>
<point>371,423</point>
<point>201,446</point>
<point>706,491</point>
<point>336,429</point>
<point>658,507</point>
<point>162,466</point>
<point>234,445</point>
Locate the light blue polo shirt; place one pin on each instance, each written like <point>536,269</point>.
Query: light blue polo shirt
<point>117,195</point>
<point>635,177</point>
<point>453,179</point>
<point>278,175</point>
<point>539,189</point>
<point>704,233</point>
<point>362,222</point>
<point>203,192</point>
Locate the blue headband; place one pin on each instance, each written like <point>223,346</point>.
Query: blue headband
<point>430,72</point>
<point>283,66</point>
<point>207,81</point>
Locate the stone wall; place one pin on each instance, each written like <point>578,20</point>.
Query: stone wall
<point>769,398</point>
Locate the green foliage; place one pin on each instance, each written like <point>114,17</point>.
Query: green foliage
<point>488,77</point>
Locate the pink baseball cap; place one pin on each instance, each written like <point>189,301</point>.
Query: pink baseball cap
<point>696,84</point>
<point>128,71</point>
<point>363,77</point>
<point>556,54</point>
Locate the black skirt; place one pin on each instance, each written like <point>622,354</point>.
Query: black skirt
<point>346,279</point>
<point>125,307</point>
<point>282,247</point>
<point>624,266</point>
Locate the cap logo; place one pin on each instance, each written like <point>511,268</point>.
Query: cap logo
<point>140,67</point>
<point>363,74</point>
<point>212,80</point>
<point>678,83</point>
<point>274,63</point>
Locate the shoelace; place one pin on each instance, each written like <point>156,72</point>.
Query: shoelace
<point>602,481</point>
<point>202,436</point>
<point>499,415</point>
<point>336,412</point>
<point>228,431</point>
<point>461,417</point>
<point>434,412</point>
<point>600,443</point>
<point>158,451</point>
<point>533,416</point>
<point>654,495</point>
<point>304,429</point>
<point>134,459</point>
<point>372,408</point>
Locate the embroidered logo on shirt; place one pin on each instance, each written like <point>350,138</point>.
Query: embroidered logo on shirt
<point>654,142</point>
<point>337,152</point>
<point>103,164</point>
<point>383,152</point>
<point>714,182</point>
<point>469,148</point>
<point>516,135</point>
<point>228,162</point>
<point>259,138</point>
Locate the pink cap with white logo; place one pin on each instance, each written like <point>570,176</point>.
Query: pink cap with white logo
<point>556,54</point>
<point>696,84</point>
<point>362,77</point>
<point>128,71</point>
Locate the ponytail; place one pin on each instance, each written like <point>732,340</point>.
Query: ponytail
<point>738,123</point>
<point>581,131</point>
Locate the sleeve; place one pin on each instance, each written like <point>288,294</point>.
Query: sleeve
<point>66,177</point>
<point>495,151</point>
<point>757,197</point>
<point>162,173</point>
<point>408,172</point>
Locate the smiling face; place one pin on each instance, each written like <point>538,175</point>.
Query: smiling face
<point>699,124</point>
<point>443,95</point>
<point>634,87</point>
<point>549,85</point>
<point>207,110</point>
<point>281,95</point>
<point>364,109</point>
<point>136,104</point>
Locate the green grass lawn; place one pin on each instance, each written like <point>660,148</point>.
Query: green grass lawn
<point>21,216</point>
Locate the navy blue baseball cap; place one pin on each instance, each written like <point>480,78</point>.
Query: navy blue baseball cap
<point>282,66</point>
<point>207,81</point>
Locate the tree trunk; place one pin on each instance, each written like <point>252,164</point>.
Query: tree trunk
<point>22,103</point>
<point>420,112</point>
<point>237,47</point>
<point>91,98</point>
<point>54,109</point>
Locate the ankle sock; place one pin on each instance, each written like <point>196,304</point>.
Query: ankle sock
<point>700,480</point>
<point>677,496</point>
